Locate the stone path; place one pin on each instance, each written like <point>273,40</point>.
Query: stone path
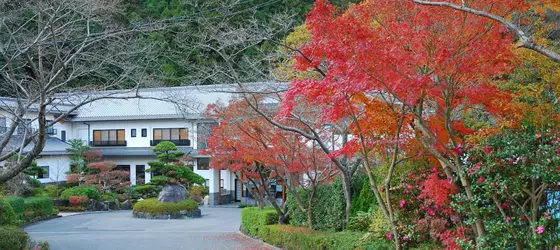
<point>217,229</point>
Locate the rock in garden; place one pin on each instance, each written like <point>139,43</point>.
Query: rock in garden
<point>126,205</point>
<point>172,193</point>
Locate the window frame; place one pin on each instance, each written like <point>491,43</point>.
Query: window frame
<point>109,132</point>
<point>198,163</point>
<point>133,132</point>
<point>169,131</point>
<point>144,132</point>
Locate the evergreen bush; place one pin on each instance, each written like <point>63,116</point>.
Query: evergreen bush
<point>12,238</point>
<point>154,207</point>
<point>254,219</point>
<point>7,215</point>
<point>38,207</point>
<point>17,205</point>
<point>90,191</point>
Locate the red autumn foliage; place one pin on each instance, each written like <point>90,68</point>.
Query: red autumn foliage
<point>78,200</point>
<point>437,189</point>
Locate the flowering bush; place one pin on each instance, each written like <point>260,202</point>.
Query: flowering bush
<point>515,177</point>
<point>425,214</point>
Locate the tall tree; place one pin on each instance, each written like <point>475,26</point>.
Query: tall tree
<point>262,154</point>
<point>398,57</point>
<point>50,54</point>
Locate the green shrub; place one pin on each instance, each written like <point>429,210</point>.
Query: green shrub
<point>154,207</point>
<point>360,221</point>
<point>38,207</point>
<point>89,191</point>
<point>108,196</point>
<point>159,180</point>
<point>299,238</point>
<point>328,208</point>
<point>7,215</point>
<point>35,183</point>
<point>12,238</point>
<point>198,190</point>
<point>145,189</point>
<point>17,204</point>
<point>254,219</point>
<point>365,199</point>
<point>52,191</point>
<point>379,224</point>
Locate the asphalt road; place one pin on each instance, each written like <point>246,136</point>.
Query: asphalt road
<point>216,229</point>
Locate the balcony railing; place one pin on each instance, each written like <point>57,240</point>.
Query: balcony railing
<point>51,131</point>
<point>176,142</point>
<point>107,143</point>
<point>21,130</point>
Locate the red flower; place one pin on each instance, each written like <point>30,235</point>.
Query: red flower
<point>481,179</point>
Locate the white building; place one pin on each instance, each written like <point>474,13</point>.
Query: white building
<point>124,131</point>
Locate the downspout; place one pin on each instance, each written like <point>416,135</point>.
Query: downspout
<point>88,132</point>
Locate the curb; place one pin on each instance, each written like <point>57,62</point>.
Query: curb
<point>259,241</point>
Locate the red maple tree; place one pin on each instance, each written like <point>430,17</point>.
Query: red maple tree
<point>401,71</point>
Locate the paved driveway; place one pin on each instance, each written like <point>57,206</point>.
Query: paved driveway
<point>217,229</point>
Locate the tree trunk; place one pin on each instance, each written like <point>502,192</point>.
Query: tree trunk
<point>346,188</point>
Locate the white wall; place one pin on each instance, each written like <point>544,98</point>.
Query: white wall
<point>137,141</point>
<point>58,166</point>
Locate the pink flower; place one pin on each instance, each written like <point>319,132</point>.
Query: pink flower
<point>508,219</point>
<point>389,236</point>
<point>458,149</point>
<point>403,202</point>
<point>538,136</point>
<point>431,212</point>
<point>540,229</point>
<point>405,238</point>
<point>481,179</point>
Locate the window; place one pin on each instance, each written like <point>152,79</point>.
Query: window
<point>44,173</point>
<point>202,163</point>
<point>144,132</point>
<point>203,132</point>
<point>140,174</point>
<point>111,137</point>
<point>133,132</point>
<point>170,134</point>
<point>179,136</point>
<point>63,135</point>
<point>222,183</point>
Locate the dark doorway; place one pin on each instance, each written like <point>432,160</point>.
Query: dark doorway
<point>237,190</point>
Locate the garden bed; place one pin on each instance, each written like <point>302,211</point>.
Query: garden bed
<point>152,209</point>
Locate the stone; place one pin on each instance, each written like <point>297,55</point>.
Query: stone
<point>113,204</point>
<point>126,205</point>
<point>172,193</point>
<point>94,205</point>
<point>206,200</point>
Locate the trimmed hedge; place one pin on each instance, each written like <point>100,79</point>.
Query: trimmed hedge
<point>38,207</point>
<point>153,207</point>
<point>17,204</point>
<point>298,238</point>
<point>89,191</point>
<point>12,238</point>
<point>328,207</point>
<point>7,215</point>
<point>253,219</point>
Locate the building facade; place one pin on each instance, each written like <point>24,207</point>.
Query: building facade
<point>125,129</point>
